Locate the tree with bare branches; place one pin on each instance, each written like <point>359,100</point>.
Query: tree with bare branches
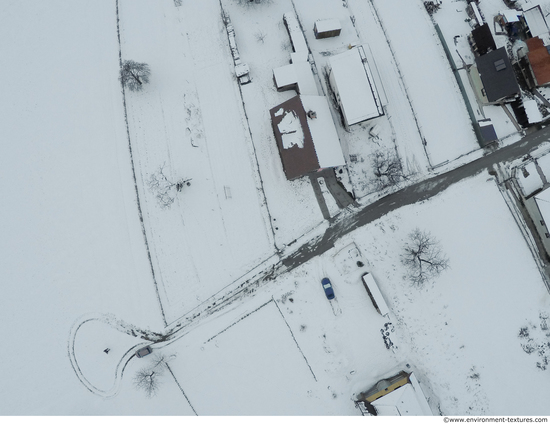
<point>148,379</point>
<point>423,258</point>
<point>134,75</point>
<point>387,168</point>
<point>164,189</point>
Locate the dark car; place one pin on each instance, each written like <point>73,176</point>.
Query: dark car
<point>144,351</point>
<point>327,286</point>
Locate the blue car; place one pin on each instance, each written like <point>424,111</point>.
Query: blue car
<point>327,286</point>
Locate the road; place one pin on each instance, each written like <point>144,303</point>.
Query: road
<point>410,195</point>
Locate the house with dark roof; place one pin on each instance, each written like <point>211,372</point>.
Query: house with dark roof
<point>481,40</point>
<point>498,76</point>
<point>306,136</point>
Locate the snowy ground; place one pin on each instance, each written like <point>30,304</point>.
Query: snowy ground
<point>73,246</point>
<point>460,335</point>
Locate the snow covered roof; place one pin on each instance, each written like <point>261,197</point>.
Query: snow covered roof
<point>529,179</point>
<point>511,16</point>
<point>306,136</point>
<point>295,32</point>
<point>376,294</point>
<point>352,80</point>
<point>407,400</point>
<point>296,76</point>
<point>533,112</point>
<point>323,132</point>
<point>497,75</point>
<point>535,21</point>
<point>325,25</point>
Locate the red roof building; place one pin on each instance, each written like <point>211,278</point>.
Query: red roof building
<point>539,60</point>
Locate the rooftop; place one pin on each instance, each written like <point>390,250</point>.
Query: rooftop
<point>539,58</point>
<point>497,75</point>
<point>352,79</point>
<point>305,134</point>
<point>483,39</point>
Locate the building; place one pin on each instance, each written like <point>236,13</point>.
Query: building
<point>534,22</point>
<point>296,76</point>
<point>305,135</point>
<point>481,40</point>
<point>538,59</point>
<point>327,28</point>
<point>399,395</point>
<point>498,76</point>
<point>353,85</point>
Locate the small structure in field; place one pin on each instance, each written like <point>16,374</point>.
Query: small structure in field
<point>353,85</point>
<point>306,137</point>
<point>326,28</point>
<point>395,396</point>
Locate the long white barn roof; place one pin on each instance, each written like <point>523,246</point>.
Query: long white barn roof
<point>354,83</point>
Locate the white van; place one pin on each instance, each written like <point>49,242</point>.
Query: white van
<point>375,294</point>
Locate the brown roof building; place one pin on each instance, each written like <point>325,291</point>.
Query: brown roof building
<point>306,136</point>
<point>539,60</point>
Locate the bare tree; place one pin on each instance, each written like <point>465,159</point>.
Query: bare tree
<point>148,379</point>
<point>164,189</point>
<point>423,258</point>
<point>133,75</point>
<point>387,168</point>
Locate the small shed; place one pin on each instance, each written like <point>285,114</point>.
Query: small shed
<point>326,28</point>
<point>487,131</point>
<point>353,85</point>
<point>306,136</point>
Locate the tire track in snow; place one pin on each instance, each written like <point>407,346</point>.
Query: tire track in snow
<point>140,213</point>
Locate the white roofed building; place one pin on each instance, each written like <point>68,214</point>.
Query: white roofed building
<point>353,85</point>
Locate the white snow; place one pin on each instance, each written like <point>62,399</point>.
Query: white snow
<point>291,130</point>
<point>532,109</point>
<point>79,280</point>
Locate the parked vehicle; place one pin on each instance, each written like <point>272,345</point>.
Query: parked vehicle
<point>327,286</point>
<point>144,351</point>
<point>375,295</point>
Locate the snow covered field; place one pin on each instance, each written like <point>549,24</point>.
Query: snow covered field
<point>460,335</point>
<point>79,285</point>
